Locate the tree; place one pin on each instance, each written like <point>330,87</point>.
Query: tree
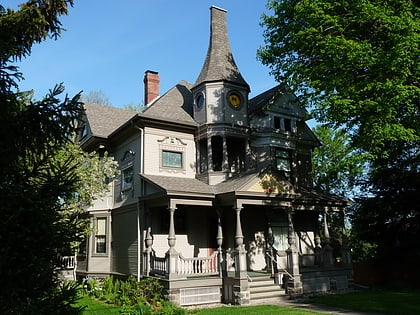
<point>135,107</point>
<point>390,216</point>
<point>336,166</point>
<point>44,178</point>
<point>97,97</point>
<point>355,62</point>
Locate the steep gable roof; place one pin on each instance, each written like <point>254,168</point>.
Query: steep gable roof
<point>176,105</point>
<point>103,120</point>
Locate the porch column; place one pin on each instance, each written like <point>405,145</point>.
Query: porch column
<point>345,249</point>
<point>209,155</point>
<point>318,250</point>
<point>171,254</point>
<point>147,252</point>
<point>328,250</point>
<point>219,240</point>
<point>225,162</point>
<point>241,287</point>
<point>294,284</point>
<point>270,241</point>
<point>240,261</point>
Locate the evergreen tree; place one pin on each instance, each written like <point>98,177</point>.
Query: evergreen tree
<point>45,179</point>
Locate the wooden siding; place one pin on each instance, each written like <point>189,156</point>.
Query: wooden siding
<point>156,140</point>
<point>124,242</point>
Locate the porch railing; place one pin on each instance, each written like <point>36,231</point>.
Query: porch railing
<point>67,262</point>
<point>158,264</point>
<point>194,266</point>
<point>198,266</point>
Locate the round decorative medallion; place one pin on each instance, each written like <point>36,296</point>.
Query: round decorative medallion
<point>234,99</point>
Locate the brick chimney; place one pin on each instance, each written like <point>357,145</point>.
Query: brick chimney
<point>151,86</point>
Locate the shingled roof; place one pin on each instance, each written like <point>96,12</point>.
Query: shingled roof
<point>180,184</point>
<point>219,64</point>
<point>103,120</point>
<point>176,105</point>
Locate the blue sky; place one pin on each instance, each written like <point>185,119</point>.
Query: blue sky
<point>108,45</point>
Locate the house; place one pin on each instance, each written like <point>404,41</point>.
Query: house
<point>215,194</point>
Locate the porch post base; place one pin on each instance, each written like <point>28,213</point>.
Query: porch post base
<point>241,292</point>
<point>294,286</point>
<point>174,296</point>
<point>240,265</point>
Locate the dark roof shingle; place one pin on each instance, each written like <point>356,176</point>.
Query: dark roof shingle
<point>176,105</point>
<point>104,120</point>
<point>180,184</point>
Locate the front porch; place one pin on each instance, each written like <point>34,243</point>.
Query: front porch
<point>225,276</point>
<point>237,233</point>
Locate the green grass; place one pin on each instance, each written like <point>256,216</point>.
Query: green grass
<point>94,307</point>
<point>381,301</point>
<point>98,308</point>
<point>253,310</point>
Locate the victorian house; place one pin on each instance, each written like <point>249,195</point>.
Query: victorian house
<point>214,196</point>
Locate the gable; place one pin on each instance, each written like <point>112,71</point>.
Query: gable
<point>277,100</point>
<point>270,184</point>
<point>257,182</point>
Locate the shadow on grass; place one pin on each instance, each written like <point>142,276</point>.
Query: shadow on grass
<point>399,302</point>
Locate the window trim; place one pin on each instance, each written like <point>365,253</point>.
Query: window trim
<point>283,227</point>
<point>180,153</point>
<point>288,159</point>
<point>124,186</point>
<point>102,236</point>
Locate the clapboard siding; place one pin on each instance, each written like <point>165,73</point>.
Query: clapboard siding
<point>124,241</point>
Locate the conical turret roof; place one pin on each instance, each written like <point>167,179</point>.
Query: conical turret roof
<point>219,64</point>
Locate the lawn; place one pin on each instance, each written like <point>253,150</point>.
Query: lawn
<point>98,308</point>
<point>253,310</point>
<point>381,301</point>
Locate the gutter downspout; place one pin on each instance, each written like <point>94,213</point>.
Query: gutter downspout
<point>138,204</point>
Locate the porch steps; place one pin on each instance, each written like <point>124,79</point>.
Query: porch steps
<point>264,288</point>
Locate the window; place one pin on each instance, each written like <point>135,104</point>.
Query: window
<point>83,132</point>
<point>287,125</point>
<point>172,159</point>
<point>276,123</point>
<point>280,234</point>
<point>283,162</point>
<point>199,100</point>
<point>100,236</point>
<point>127,179</point>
